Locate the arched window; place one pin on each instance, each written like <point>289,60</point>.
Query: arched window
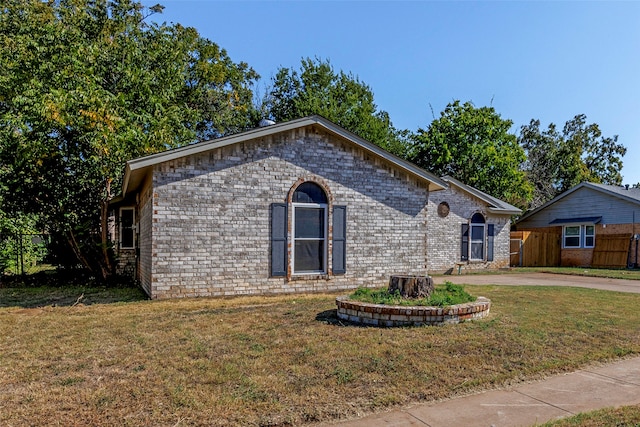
<point>309,229</point>
<point>300,234</point>
<point>477,237</point>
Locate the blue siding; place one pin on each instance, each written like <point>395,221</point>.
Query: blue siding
<point>586,202</point>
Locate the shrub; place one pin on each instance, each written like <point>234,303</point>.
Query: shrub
<point>444,295</point>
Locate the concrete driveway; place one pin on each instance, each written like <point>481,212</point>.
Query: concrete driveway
<point>543,279</point>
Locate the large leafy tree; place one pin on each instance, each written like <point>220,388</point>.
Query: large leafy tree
<point>558,160</point>
<point>316,88</point>
<point>474,146</point>
<point>86,85</point>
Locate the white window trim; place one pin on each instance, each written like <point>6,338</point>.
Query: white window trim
<point>483,240</point>
<point>133,228</point>
<point>582,236</point>
<point>564,236</point>
<point>325,239</point>
<point>589,235</point>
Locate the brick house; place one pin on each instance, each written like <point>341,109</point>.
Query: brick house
<point>300,206</point>
<point>467,229</point>
<point>595,225</point>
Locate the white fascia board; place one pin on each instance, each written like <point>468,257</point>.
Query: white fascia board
<point>494,205</point>
<point>499,211</point>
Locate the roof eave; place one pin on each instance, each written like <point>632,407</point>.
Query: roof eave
<point>491,201</point>
<point>501,211</point>
<point>141,165</point>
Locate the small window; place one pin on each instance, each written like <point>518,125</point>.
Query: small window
<point>127,228</point>
<point>589,236</point>
<point>572,236</point>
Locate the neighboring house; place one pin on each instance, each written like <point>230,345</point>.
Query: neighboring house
<point>300,206</point>
<point>597,224</point>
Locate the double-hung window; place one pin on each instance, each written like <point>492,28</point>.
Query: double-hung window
<point>572,236</point>
<point>477,237</point>
<point>589,236</point>
<point>578,236</point>
<point>309,229</point>
<point>300,234</point>
<point>127,228</point>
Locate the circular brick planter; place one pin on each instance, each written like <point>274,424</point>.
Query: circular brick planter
<point>397,315</point>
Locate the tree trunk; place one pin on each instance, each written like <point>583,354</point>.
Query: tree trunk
<point>105,264</point>
<point>411,286</point>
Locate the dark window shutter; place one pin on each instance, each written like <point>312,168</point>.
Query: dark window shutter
<point>464,242</point>
<point>490,233</point>
<point>339,253</point>
<point>278,239</point>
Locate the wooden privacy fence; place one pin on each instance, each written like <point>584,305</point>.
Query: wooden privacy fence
<point>612,250</point>
<point>535,249</point>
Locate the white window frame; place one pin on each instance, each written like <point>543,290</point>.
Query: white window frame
<point>565,236</point>
<point>582,236</point>
<point>592,235</point>
<point>133,228</point>
<point>482,241</point>
<point>324,240</point>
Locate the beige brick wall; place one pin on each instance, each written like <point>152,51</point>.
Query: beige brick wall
<point>210,217</point>
<point>145,242</point>
<point>443,239</point>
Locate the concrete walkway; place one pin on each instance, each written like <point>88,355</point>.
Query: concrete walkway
<point>615,384</point>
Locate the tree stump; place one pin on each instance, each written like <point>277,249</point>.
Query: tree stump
<point>411,286</point>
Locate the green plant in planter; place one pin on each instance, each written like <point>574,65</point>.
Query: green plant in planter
<point>444,295</point>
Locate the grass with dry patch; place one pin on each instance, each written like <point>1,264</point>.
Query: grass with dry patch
<point>629,274</point>
<point>625,416</point>
<point>287,360</point>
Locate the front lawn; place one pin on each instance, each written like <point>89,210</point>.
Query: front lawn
<point>633,274</point>
<point>624,416</point>
<point>285,360</point>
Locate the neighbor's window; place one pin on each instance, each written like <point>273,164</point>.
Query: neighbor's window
<point>589,236</point>
<point>127,228</point>
<point>572,236</point>
<point>579,236</point>
<point>309,229</point>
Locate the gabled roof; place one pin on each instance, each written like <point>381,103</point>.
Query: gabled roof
<point>629,194</point>
<point>494,205</point>
<point>137,169</point>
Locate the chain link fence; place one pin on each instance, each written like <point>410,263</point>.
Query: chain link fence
<point>22,254</point>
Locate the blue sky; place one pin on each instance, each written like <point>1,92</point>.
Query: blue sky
<point>529,60</point>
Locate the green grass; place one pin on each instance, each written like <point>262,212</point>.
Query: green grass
<point>284,360</point>
<point>625,416</point>
<point>578,271</point>
<point>48,288</point>
<point>442,296</point>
